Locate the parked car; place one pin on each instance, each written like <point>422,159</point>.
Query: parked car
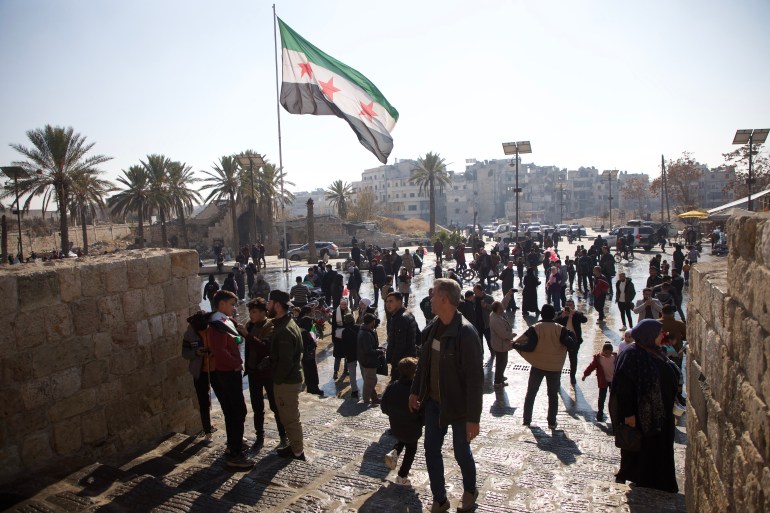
<point>562,228</point>
<point>578,228</point>
<point>644,236</point>
<point>321,249</point>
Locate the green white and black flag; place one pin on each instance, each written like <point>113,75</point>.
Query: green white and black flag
<point>317,83</point>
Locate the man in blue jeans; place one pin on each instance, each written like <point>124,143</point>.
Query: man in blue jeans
<point>544,345</point>
<point>447,387</point>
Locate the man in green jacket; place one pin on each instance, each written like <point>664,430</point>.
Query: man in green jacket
<point>447,387</point>
<point>286,364</point>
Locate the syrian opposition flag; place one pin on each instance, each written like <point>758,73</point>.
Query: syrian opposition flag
<point>317,83</point>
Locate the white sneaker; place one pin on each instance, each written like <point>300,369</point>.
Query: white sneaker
<point>403,481</point>
<point>623,328</point>
<point>391,459</point>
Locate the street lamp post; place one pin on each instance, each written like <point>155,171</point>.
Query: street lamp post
<point>752,137</point>
<point>250,161</point>
<point>516,148</point>
<point>609,174</point>
<point>16,172</point>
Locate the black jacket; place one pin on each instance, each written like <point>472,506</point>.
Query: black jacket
<point>405,425</point>
<point>367,345</point>
<point>350,342</point>
<point>461,371</point>
<point>427,310</point>
<point>468,309</point>
<point>378,275</point>
<point>403,337</point>
<point>328,280</point>
<point>578,319</point>
<point>506,278</point>
<point>630,290</point>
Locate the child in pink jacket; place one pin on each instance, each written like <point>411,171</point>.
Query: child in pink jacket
<point>604,364</point>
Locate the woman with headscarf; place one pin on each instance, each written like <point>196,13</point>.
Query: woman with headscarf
<point>529,303</point>
<point>337,326</point>
<point>643,392</point>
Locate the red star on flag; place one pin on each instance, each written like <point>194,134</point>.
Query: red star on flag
<point>367,110</point>
<point>306,69</point>
<point>328,88</point>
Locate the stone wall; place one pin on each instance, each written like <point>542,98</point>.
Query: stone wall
<point>728,379</point>
<point>96,233</point>
<point>90,361</point>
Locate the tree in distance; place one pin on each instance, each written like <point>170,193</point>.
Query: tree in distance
<point>430,174</point>
<point>338,195</point>
<point>682,176</point>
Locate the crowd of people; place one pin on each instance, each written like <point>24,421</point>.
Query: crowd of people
<point>436,372</point>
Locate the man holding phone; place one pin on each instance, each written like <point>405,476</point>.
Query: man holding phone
<point>572,319</point>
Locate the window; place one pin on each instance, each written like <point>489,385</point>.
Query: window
<point>412,207</point>
<point>411,195</point>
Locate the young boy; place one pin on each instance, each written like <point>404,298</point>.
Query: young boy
<point>405,425</point>
<point>604,364</point>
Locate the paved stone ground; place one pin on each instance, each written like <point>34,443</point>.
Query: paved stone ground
<point>519,469</point>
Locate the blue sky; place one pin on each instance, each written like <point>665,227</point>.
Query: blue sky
<point>609,84</point>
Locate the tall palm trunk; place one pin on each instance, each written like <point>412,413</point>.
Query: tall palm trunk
<point>432,194</point>
<point>183,223</point>
<point>63,226</point>
<point>163,236</point>
<point>4,240</point>
<point>84,228</point>
<point>235,247</point>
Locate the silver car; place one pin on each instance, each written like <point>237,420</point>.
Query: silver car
<point>321,249</point>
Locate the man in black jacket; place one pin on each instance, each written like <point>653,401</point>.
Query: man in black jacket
<point>572,319</point>
<point>379,278</point>
<point>506,282</point>
<point>448,388</point>
<point>467,307</point>
<point>425,306</point>
<point>326,283</point>
<point>403,332</point>
<point>624,297</point>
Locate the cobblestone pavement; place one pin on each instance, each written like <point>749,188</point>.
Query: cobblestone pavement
<point>520,469</point>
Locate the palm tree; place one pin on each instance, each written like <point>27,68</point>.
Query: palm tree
<point>180,177</point>
<point>338,195</point>
<point>269,192</point>
<point>134,198</point>
<point>429,174</point>
<point>56,154</point>
<point>157,167</point>
<point>225,184</point>
<point>87,192</point>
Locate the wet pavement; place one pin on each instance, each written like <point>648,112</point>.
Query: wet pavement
<point>520,469</point>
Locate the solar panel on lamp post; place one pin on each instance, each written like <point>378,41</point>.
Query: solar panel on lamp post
<point>516,148</point>
<point>16,172</point>
<point>751,137</point>
<point>248,162</point>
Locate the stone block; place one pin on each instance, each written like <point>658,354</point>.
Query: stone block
<point>102,344</point>
<point>36,449</point>
<point>184,263</point>
<point>69,284</point>
<point>143,333</point>
<point>177,367</point>
<point>122,361</point>
<point>165,348</point>
<point>9,455</point>
<point>141,432</point>
<point>58,322</point>
<point>170,325</point>
<point>36,393</point>
<point>144,378</point>
<point>175,294</point>
<point>136,269</point>
<point>67,436</point>
<point>133,305</point>
<point>29,330</point>
<point>158,269</point>
<point>156,326</point>
<point>153,300</point>
<point>11,404</point>
<point>85,316</point>
<point>110,312</point>
<point>125,336</point>
<point>109,392</point>
<point>756,420</point>
<point>16,368</point>
<point>27,421</point>
<point>94,373</point>
<point>37,290</point>
<point>91,281</point>
<point>72,352</point>
<point>194,292</point>
<point>8,335</point>
<point>115,277</point>
<point>94,427</point>
<point>9,291</point>
<point>73,406</point>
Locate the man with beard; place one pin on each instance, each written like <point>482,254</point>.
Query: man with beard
<point>403,333</point>
<point>285,360</point>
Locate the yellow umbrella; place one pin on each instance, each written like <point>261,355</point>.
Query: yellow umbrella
<point>693,214</point>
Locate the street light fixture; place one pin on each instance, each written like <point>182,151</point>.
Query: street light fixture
<point>517,148</point>
<point>609,174</point>
<point>752,137</point>
<point>16,172</point>
<point>249,161</point>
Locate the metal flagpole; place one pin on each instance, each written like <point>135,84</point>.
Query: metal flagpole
<point>662,186</point>
<point>285,243</point>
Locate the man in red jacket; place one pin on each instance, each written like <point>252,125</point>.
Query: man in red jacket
<point>599,292</point>
<point>226,379</point>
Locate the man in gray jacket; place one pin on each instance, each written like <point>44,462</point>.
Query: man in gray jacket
<point>447,387</point>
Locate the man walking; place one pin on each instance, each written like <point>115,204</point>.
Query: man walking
<point>286,363</point>
<point>379,278</point>
<point>403,333</point>
<point>506,282</point>
<point>482,308</point>
<point>624,297</point>
<point>544,345</point>
<point>448,387</point>
<point>599,292</point>
<point>573,319</point>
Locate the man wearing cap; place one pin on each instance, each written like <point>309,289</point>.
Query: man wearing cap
<point>286,364</point>
<point>544,345</point>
